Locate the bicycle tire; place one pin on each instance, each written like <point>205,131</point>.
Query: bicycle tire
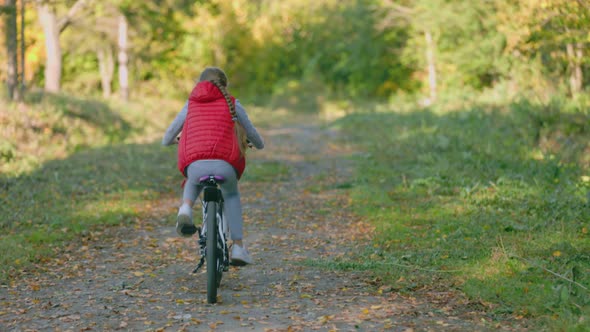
<point>220,252</point>
<point>212,253</point>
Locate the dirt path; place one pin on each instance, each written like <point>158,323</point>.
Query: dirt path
<point>138,278</point>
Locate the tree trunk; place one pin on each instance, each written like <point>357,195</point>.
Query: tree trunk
<point>106,66</point>
<point>578,72</point>
<point>574,56</point>
<point>48,21</point>
<point>11,49</point>
<point>123,58</point>
<point>431,65</point>
<point>52,29</point>
<point>22,50</point>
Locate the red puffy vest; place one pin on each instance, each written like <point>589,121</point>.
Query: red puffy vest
<point>208,131</point>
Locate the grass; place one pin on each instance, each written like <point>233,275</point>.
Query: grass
<point>72,165</point>
<point>265,171</point>
<point>493,199</point>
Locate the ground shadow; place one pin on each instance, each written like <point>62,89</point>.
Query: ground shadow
<point>95,112</point>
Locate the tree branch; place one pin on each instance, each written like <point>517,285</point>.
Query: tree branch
<point>584,4</point>
<point>66,20</point>
<point>395,15</point>
<point>406,11</point>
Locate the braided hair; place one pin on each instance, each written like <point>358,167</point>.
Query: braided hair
<point>219,79</point>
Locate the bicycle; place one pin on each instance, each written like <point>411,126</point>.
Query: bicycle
<point>213,235</point>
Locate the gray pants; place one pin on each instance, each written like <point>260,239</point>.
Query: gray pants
<point>232,206</point>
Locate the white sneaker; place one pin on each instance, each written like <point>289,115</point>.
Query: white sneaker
<point>184,222</point>
<point>240,256</point>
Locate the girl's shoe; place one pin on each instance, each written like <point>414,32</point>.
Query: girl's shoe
<point>184,222</point>
<point>240,256</point>
<point>185,226</point>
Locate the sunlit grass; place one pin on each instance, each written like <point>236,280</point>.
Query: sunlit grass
<point>36,238</point>
<point>482,197</point>
<point>52,219</point>
<point>265,171</point>
<point>109,172</point>
<point>103,167</point>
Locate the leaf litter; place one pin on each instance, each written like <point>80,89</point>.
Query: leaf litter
<point>118,279</point>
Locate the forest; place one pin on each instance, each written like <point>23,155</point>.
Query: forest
<point>375,49</point>
<point>466,126</point>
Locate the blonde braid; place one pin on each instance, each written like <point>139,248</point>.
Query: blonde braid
<point>238,128</point>
<point>232,106</point>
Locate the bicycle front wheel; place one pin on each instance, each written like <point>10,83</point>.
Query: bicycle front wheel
<point>212,253</point>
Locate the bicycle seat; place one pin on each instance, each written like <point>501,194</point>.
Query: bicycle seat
<point>208,178</point>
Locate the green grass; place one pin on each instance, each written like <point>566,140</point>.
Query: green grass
<point>70,166</point>
<point>265,171</point>
<point>77,165</point>
<point>494,199</point>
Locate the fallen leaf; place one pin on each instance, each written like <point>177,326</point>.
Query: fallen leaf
<point>70,318</point>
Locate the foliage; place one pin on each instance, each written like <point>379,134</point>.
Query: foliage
<point>540,32</point>
<point>372,48</point>
<point>461,60</point>
<point>263,44</point>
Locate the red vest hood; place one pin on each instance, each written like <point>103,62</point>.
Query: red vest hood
<point>205,92</point>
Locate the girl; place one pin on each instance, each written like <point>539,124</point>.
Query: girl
<point>215,134</point>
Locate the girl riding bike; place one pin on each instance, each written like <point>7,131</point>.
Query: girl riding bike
<point>216,132</point>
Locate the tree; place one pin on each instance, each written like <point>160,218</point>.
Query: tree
<point>102,35</point>
<point>431,64</point>
<point>123,57</point>
<point>22,49</point>
<point>553,33</point>
<point>11,49</point>
<point>416,18</point>
<point>52,28</point>
<point>561,30</point>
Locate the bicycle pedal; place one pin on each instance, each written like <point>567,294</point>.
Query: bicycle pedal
<point>188,229</point>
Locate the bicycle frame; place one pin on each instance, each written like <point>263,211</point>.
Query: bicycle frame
<point>212,197</point>
<point>222,229</point>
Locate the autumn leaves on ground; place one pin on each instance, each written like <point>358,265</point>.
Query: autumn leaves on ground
<point>136,275</point>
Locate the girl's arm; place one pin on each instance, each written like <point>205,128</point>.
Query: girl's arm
<point>251,131</point>
<point>176,127</point>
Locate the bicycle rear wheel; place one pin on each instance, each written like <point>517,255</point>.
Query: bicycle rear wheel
<point>213,253</point>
